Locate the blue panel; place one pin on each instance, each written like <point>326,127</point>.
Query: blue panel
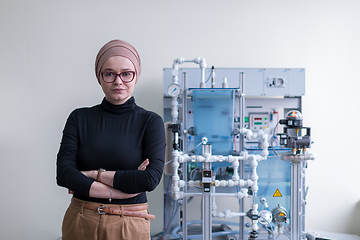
<point>214,119</point>
<point>274,174</point>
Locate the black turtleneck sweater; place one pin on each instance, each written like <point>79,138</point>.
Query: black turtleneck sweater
<point>117,138</point>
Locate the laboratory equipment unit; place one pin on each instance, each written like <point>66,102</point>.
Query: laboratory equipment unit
<point>235,133</point>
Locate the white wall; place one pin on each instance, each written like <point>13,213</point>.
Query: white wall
<point>47,53</point>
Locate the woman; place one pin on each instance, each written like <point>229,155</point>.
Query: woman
<point>111,154</point>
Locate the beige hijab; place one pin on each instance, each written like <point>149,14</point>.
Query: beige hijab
<point>117,48</point>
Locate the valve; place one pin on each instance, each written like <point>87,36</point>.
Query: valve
<point>252,216</point>
<point>176,130</point>
<point>253,235</point>
<point>206,181</point>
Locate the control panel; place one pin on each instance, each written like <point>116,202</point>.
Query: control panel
<point>259,121</point>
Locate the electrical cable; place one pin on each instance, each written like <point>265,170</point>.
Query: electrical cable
<point>189,141</point>
<point>272,139</point>
<point>277,236</point>
<point>168,162</point>
<point>192,176</point>
<point>214,234</point>
<point>208,77</point>
<point>174,210</point>
<point>198,145</point>
<point>269,224</point>
<point>170,179</point>
<point>162,233</point>
<point>287,235</point>
<point>194,147</point>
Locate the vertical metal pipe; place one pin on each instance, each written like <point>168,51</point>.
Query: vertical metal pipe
<point>184,145</point>
<point>206,228</point>
<point>242,148</point>
<point>185,229</point>
<point>206,210</point>
<point>295,200</point>
<point>303,192</point>
<point>184,111</point>
<point>303,200</point>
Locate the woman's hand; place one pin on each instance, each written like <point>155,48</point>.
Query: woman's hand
<point>121,195</point>
<point>116,194</point>
<point>93,173</point>
<point>143,165</point>
<point>107,178</point>
<point>100,190</point>
<point>90,174</point>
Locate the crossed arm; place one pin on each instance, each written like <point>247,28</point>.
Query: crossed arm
<point>103,188</point>
<point>122,184</point>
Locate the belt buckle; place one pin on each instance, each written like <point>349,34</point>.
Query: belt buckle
<point>100,208</point>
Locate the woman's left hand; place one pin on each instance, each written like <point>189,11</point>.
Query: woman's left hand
<point>93,173</point>
<point>143,165</point>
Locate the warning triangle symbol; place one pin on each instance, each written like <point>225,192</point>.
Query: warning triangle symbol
<point>277,193</point>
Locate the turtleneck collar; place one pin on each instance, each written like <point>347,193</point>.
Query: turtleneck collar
<point>119,109</point>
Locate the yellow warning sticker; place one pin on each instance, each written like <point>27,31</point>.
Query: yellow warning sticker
<point>277,193</point>
<point>282,214</point>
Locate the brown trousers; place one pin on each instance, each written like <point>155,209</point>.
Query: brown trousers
<point>83,224</point>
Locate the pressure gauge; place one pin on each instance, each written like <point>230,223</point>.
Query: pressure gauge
<point>174,90</point>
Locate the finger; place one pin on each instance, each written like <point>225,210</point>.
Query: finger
<point>143,167</point>
<point>144,164</point>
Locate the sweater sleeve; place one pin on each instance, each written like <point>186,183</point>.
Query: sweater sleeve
<point>135,181</point>
<point>68,175</point>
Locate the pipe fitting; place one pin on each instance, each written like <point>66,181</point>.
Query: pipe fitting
<point>202,63</point>
<point>181,183</point>
<point>241,194</point>
<point>241,183</point>
<point>248,183</point>
<point>230,183</point>
<point>235,164</point>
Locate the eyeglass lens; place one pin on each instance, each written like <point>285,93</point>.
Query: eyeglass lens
<point>124,76</point>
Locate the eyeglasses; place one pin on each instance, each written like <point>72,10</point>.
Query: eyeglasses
<point>110,77</point>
